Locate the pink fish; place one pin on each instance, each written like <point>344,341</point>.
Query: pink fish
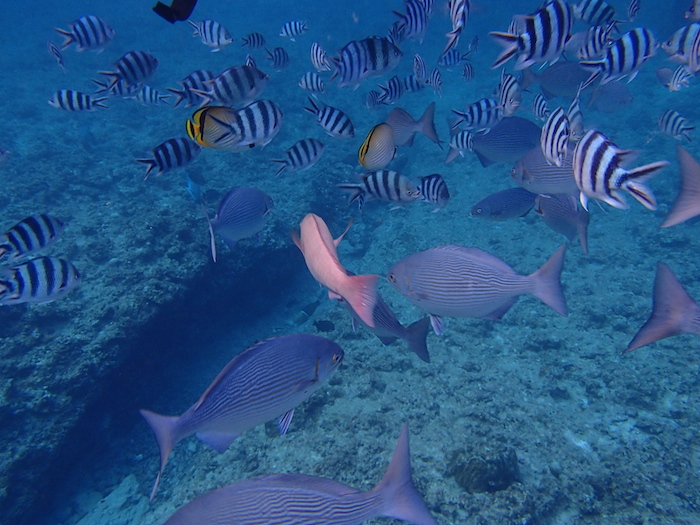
<point>319,249</point>
<point>687,203</point>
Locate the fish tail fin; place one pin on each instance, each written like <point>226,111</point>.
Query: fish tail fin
<point>595,67</point>
<point>103,88</point>
<point>402,500</point>
<point>687,204</point>
<point>97,102</point>
<point>528,78</point>
<point>427,124</point>
<point>416,335</point>
<point>165,430</point>
<point>510,42</point>
<point>151,163</point>
<point>180,94</point>
<point>355,191</point>
<point>361,294</point>
<point>674,311</point>
<point>206,97</point>
<point>69,38</point>
<point>314,109</point>
<point>635,183</point>
<point>548,285</point>
<point>452,155</point>
<point>283,166</point>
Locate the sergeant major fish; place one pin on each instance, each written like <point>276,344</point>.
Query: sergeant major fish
<point>40,280</point>
<point>75,101</point>
<point>87,33</point>
<point>301,156</point>
<point>170,155</point>
<point>29,236</point>
<point>383,185</point>
<point>212,34</point>
<point>336,123</point>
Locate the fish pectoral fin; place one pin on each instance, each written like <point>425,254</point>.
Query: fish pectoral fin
<point>387,340</point>
<point>438,324</point>
<point>219,441</point>
<point>284,421</point>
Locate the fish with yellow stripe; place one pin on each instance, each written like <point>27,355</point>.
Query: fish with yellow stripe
<point>214,127</point>
<point>378,149</point>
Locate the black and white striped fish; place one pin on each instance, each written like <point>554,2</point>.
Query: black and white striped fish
<point>319,59</point>
<point>623,58</point>
<point>598,173</point>
<point>414,21</point>
<point>237,86</point>
<point>301,156</point>
<point>435,81</point>
<point>555,137</point>
<point>383,185</point>
<point>336,123</point>
<point>595,12</point>
<point>116,89</point>
<point>596,41</point>
<point>680,45</point>
<point>482,114</point>
<point>150,96</point>
<point>459,144</point>
<point>293,29</point>
<point>575,116</point>
<point>372,101</point>
<point>56,53</point>
<point>674,125</point>
<point>311,81</point>
<point>411,84</point>
<point>459,15</point>
<point>540,107</point>
<point>694,57</point>
<point>40,280</point>
<point>468,71</point>
<point>509,94</point>
<point>250,61</point>
<point>433,189</point>
<point>392,91</point>
<point>452,58</point>
<point>87,33</point>
<point>632,10</point>
<point>680,78</point>
<point>253,41</point>
<point>134,68</point>
<point>194,81</point>
<point>212,34</point>
<point>170,155</point>
<point>420,70</point>
<point>29,236</point>
<point>257,124</point>
<point>361,59</point>
<point>541,36</point>
<point>75,101</point>
<point>278,57</point>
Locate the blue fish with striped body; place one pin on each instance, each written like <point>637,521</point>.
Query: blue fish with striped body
<point>253,41</point>
<point>319,58</point>
<point>301,156</point>
<point>39,280</point>
<point>236,86</point>
<point>212,34</point>
<point>278,57</point>
<point>457,281</point>
<point>75,101</point>
<point>294,29</point>
<point>334,121</point>
<point>133,68</point>
<point>311,81</point>
<point>266,381</point>
<point>170,155</point>
<point>87,33</point>
<point>433,189</point>
<point>415,21</point>
<point>309,500</point>
<point>361,59</point>
<point>481,115</point>
<point>29,236</point>
<point>194,81</point>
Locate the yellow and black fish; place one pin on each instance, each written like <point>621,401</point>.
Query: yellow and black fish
<point>215,127</point>
<point>378,149</point>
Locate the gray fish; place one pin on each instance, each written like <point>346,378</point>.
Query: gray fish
<point>563,215</point>
<point>39,280</point>
<point>507,141</point>
<point>28,236</point>
<point>310,500</point>
<point>505,205</point>
<point>558,80</point>
<point>457,281</point>
<point>687,203</point>
<point>535,174</point>
<point>264,382</point>
<point>242,213</point>
<point>610,98</point>
<point>405,128</point>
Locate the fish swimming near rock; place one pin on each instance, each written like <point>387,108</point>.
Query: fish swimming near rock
<point>266,381</point>
<point>320,254</point>
<point>311,500</point>
<point>40,280</point>
<point>29,236</point>
<point>687,204</point>
<point>504,205</point>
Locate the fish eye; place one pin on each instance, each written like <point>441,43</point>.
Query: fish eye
<point>392,278</point>
<point>478,211</point>
<point>335,358</point>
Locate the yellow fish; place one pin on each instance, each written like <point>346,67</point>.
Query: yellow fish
<point>215,127</point>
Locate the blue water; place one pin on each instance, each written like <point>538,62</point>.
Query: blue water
<point>600,438</point>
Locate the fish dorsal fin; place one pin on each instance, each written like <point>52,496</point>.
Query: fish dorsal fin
<point>340,238</point>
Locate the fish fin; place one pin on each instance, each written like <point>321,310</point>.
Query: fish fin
<point>499,312</point>
<point>361,294</point>
<point>416,335</point>
<point>282,167</point>
<point>212,239</point>
<point>583,199</point>
<point>165,430</point>
<point>427,125</point>
<point>547,282</point>
<point>484,161</point>
<point>386,341</point>
<point>219,441</point>
<point>151,164</point>
<point>510,42</point>
<point>687,203</point>
<point>438,324</point>
<point>340,238</point>
<point>674,311</point>
<point>635,183</point>
<point>97,102</point>
<point>284,421</point>
<point>452,155</point>
<point>68,35</point>
<point>401,499</point>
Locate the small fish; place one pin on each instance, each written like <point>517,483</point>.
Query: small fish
<point>458,281</point>
<point>595,12</point>
<point>133,68</point>
<point>383,185</point>
<point>507,141</point>
<point>212,34</point>
<point>242,213</point>
<point>378,149</point>
<point>575,116</point>
<point>435,81</point>
<point>420,70</point>
<point>372,101</point>
<point>452,58</point>
<point>301,156</point>
<point>75,101</point>
<point>87,33</point>
<point>150,96</point>
<point>461,142</point>
<point>504,205</point>
<point>266,381</point>
<point>392,91</point>
<point>40,280</point>
<point>302,499</point>
<point>674,312</point>
<point>562,214</point>
<point>278,57</point>
<point>555,137</point>
<point>194,188</point>
<point>473,45</point>
<point>170,155</point>
<point>257,124</point>
<point>320,254</point>
<point>215,127</point>
<point>195,81</point>
<point>481,115</point>
<point>411,84</point>
<point>29,236</point>
<point>534,173</point>
<point>396,34</point>
<point>319,59</point>
<point>361,59</point>
<point>679,79</point>
<point>237,86</point>
<point>405,127</point>
<point>293,29</point>
<point>687,204</point>
<point>540,108</point>
<point>509,94</point>
<point>433,189</point>
<point>598,173</point>
<point>468,72</point>
<point>459,15</point>
<point>250,61</point>
<point>674,125</point>
<point>56,53</point>
<point>336,123</point>
<point>253,41</point>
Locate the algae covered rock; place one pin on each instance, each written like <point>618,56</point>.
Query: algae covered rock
<point>490,473</point>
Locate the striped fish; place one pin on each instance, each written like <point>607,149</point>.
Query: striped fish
<point>301,499</point>
<point>534,173</point>
<point>623,58</point>
<point>378,149</point>
<point>687,204</point>
<point>253,41</point>
<point>598,173</point>
<point>679,79</point>
<point>150,96</point>
<point>420,70</point>
<point>411,84</point>
<point>507,141</point>
<point>87,33</point>
<point>555,137</point>
<point>482,114</point>
<point>75,101</point>
<point>212,34</point>
<point>266,381</point>
<point>237,86</point>
<point>134,68</point>
<point>459,16</point>
<point>250,61</point>
<point>170,155</point>
<point>595,12</point>
<point>301,156</point>
<point>39,280</point>
<point>396,34</point>
<point>680,45</point>
<point>195,81</point>
<point>433,189</point>
<point>278,57</point>
<point>562,214</point>
<point>312,82</point>
<point>29,236</point>
<point>575,116</point>
<point>693,12</point>
<point>468,71</point>
<point>435,81</point>
<point>336,123</point>
<point>460,143</point>
<point>242,213</point>
<point>116,89</point>
<point>392,91</point>
<point>415,21</point>
<point>457,281</point>
<point>596,41</point>
<point>258,123</point>
<point>56,53</point>
<point>215,127</point>
<point>694,57</point>
<point>452,58</point>
<point>319,59</point>
<point>504,205</point>
<point>293,29</point>
<point>382,185</point>
<point>509,94</point>
<point>632,10</point>
<point>361,59</point>
<point>674,125</point>
<point>372,101</point>
<point>540,107</point>
<point>541,38</point>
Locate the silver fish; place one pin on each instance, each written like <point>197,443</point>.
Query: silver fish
<point>133,68</point>
<point>675,125</point>
<point>563,215</point>
<point>293,29</point>
<point>433,189</point>
<point>507,141</point>
<point>383,185</point>
<point>336,123</point>
<point>312,82</point>
<point>359,60</point>
<point>40,280</point>
<point>534,173</point>
<point>87,33</point>
<point>504,205</point>
<point>405,127</point>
